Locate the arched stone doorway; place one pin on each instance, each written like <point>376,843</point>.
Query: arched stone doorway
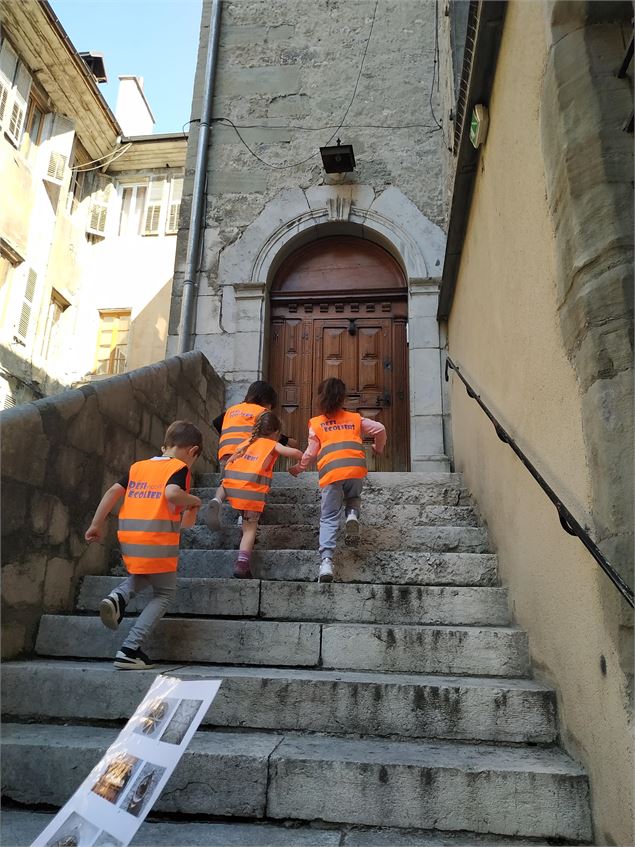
<point>339,307</point>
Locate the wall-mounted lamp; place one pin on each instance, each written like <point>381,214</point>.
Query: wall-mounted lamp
<point>339,159</point>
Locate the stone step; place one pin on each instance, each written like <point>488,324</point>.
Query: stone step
<point>479,651</point>
<point>297,601</point>
<point>373,515</point>
<point>351,565</point>
<point>448,539</point>
<point>411,507</point>
<point>19,828</point>
<point>526,791</point>
<point>340,702</point>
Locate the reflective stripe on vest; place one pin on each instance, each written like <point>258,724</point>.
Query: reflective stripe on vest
<point>238,423</point>
<point>247,479</point>
<point>149,526</point>
<point>341,454</point>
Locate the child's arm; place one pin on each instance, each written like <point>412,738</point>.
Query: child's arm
<point>309,455</point>
<point>286,440</point>
<point>176,496</point>
<point>95,531</point>
<point>376,430</point>
<point>189,517</point>
<point>289,452</point>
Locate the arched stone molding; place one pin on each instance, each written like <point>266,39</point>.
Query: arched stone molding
<point>295,217</point>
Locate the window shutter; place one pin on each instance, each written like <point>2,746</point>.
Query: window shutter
<point>8,65</point>
<point>99,206</point>
<point>27,305</point>
<point>153,207</point>
<point>20,98</point>
<point>57,149</point>
<point>174,209</point>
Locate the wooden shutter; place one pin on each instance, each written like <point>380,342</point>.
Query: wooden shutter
<point>57,149</point>
<point>174,208</point>
<point>153,207</point>
<point>8,65</point>
<point>20,99</point>
<point>27,305</point>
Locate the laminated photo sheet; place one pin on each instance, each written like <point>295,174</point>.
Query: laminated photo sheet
<point>111,803</point>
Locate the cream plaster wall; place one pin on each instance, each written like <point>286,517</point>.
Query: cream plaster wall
<point>505,335</point>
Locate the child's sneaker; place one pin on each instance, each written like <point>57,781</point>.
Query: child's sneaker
<point>351,531</point>
<point>132,660</point>
<point>326,571</point>
<point>212,516</point>
<point>112,609</point>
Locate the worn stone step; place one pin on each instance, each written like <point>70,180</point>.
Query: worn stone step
<point>373,514</point>
<point>449,539</point>
<point>340,702</point>
<point>351,565</point>
<point>359,602</point>
<point>479,651</point>
<point>481,788</point>
<point>19,828</point>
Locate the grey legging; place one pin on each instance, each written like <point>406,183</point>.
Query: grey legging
<point>163,586</point>
<point>338,495</point>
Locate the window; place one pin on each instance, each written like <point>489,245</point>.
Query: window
<point>174,207</point>
<point>79,178</point>
<point>15,84</point>
<point>57,307</point>
<point>154,207</point>
<point>112,346</point>
<point>5,266</point>
<point>24,323</point>
<point>133,201</point>
<point>33,126</point>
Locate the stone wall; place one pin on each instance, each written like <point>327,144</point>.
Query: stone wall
<point>60,454</point>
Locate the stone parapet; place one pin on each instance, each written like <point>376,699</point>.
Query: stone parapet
<point>58,457</point>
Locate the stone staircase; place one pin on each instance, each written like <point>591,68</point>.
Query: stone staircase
<point>395,707</point>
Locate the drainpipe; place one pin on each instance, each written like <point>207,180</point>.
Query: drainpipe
<point>190,283</point>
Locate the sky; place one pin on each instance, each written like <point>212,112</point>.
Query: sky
<point>155,39</point>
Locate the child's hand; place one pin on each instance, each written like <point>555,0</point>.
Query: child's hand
<point>377,452</point>
<point>296,470</point>
<point>95,532</point>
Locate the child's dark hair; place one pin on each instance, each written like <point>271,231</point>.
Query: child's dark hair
<point>183,434</point>
<point>262,394</point>
<point>266,424</point>
<point>331,395</point>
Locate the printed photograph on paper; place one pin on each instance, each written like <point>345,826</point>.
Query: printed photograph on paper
<point>76,831</point>
<point>153,716</point>
<point>142,793</point>
<point>107,840</point>
<point>116,776</point>
<point>180,722</point>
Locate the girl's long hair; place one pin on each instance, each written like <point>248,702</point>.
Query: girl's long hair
<point>331,395</point>
<point>266,424</point>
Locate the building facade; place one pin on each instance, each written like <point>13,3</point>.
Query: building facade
<point>267,304</point>
<point>89,215</point>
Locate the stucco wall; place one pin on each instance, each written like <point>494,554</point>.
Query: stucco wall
<point>504,332</point>
<point>58,457</point>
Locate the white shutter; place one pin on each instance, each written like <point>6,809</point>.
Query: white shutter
<point>56,151</point>
<point>99,206</point>
<point>8,65</point>
<point>27,305</point>
<point>174,208</point>
<point>153,207</point>
<point>20,99</point>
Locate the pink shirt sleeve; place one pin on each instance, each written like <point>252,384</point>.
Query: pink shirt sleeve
<point>311,452</point>
<point>376,429</point>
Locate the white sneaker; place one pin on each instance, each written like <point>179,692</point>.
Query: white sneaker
<point>212,516</point>
<point>351,532</point>
<point>326,571</point>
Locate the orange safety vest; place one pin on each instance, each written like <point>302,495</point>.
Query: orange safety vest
<point>247,480</point>
<point>238,423</point>
<point>149,527</point>
<point>341,453</point>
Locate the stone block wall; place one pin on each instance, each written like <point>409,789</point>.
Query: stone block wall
<point>60,454</point>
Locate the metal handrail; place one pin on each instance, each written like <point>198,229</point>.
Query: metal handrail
<point>568,522</point>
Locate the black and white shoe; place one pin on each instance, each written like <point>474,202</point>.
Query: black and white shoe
<point>112,609</point>
<point>132,660</point>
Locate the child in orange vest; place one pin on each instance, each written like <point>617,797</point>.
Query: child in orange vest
<point>335,440</point>
<point>235,426</point>
<point>247,480</point>
<point>156,507</point>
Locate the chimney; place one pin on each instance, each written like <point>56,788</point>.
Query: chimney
<point>132,111</point>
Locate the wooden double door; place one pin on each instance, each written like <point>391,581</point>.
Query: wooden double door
<point>361,341</point>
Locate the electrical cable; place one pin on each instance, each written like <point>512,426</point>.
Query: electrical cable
<point>113,158</point>
<point>436,59</point>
